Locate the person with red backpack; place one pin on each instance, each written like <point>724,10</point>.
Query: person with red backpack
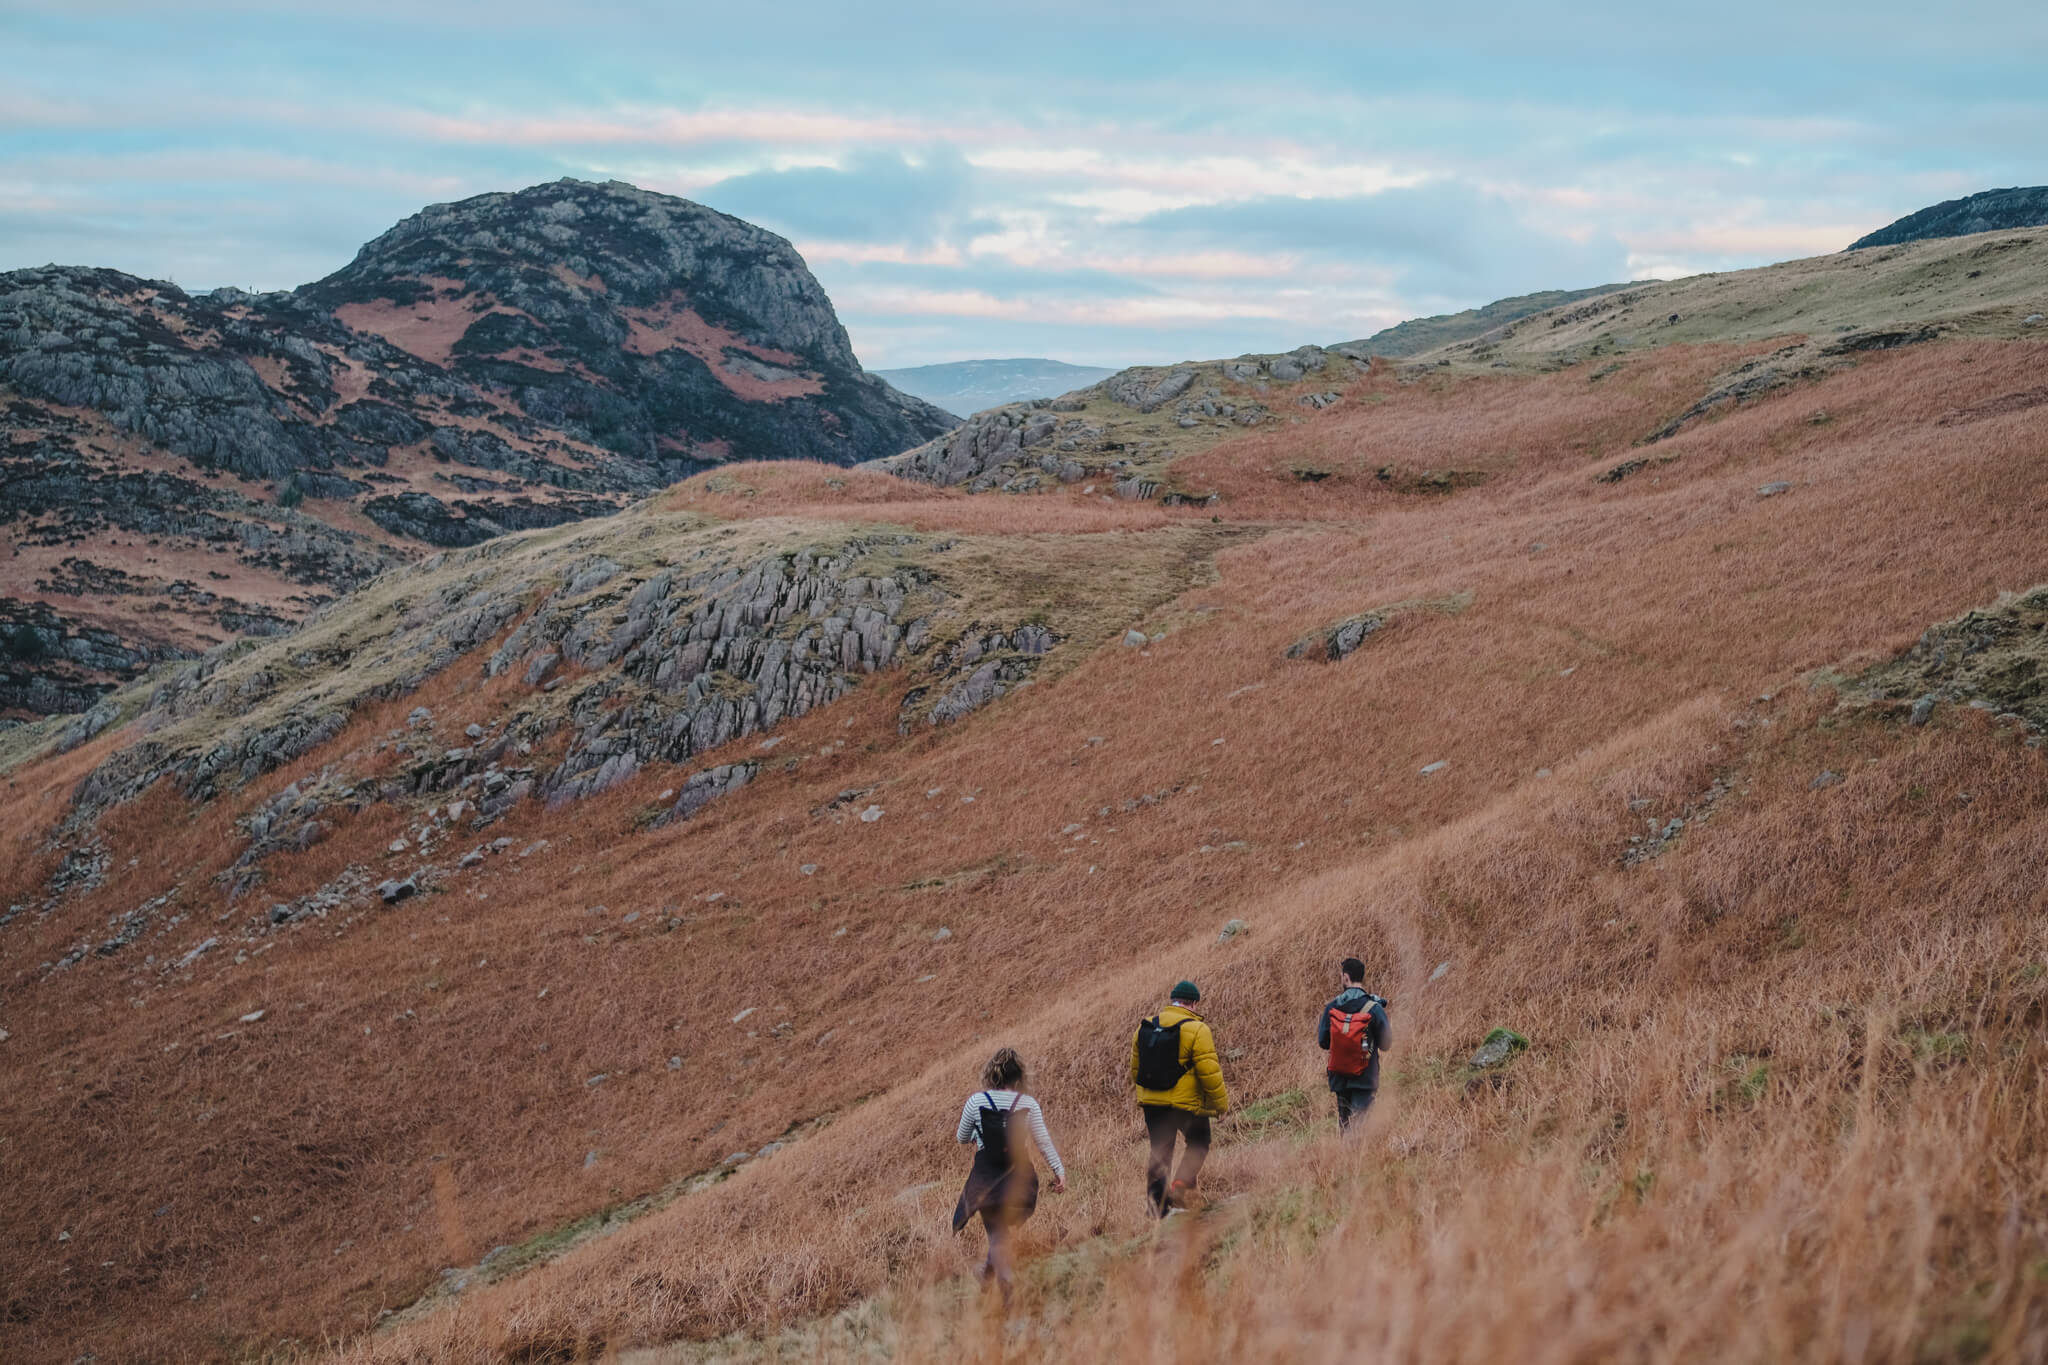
<point>1354,1030</point>
<point>1180,1088</point>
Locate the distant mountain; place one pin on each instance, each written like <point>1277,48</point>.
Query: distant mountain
<point>966,387</point>
<point>1986,211</point>
<point>1426,334</point>
<point>179,468</point>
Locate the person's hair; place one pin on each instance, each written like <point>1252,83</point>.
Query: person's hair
<point>1353,968</point>
<point>1004,1071</point>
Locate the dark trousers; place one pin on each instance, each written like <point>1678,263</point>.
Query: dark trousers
<point>1163,1123</point>
<point>1352,1104</point>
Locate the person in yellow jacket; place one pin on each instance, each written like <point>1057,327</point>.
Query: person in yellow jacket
<point>1179,1080</point>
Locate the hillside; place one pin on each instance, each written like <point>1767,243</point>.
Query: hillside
<point>1426,334</point>
<point>1985,211</point>
<point>968,386</point>
<point>582,942</point>
<point>178,469</point>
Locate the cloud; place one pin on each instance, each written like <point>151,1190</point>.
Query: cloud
<point>1442,239</point>
<point>875,197</point>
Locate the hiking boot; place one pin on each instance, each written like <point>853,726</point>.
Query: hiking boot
<point>1181,1195</point>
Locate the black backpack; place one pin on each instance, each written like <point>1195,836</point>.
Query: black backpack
<point>995,1131</point>
<point>1159,1063</point>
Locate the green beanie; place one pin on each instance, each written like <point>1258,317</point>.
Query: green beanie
<point>1185,991</point>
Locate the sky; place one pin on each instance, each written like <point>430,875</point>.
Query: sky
<point>1098,183</point>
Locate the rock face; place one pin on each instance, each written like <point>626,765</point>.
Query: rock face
<point>509,362</point>
<point>1986,211</point>
<point>671,655</point>
<point>1124,430</point>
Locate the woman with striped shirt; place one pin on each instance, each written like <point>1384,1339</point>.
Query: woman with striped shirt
<point>1003,1185</point>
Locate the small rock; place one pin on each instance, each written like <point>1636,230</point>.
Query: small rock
<point>1828,778</point>
<point>1135,639</point>
<point>532,848</point>
<point>457,809</point>
<point>1442,970</point>
<point>206,947</point>
<point>64,1236</point>
<point>4,1035</point>
<point>1922,709</point>
<point>473,731</point>
<point>420,716</point>
<point>392,892</point>
<point>471,858</point>
<point>599,1079</point>
<point>744,1013</point>
<point>2033,320</point>
<point>1671,830</point>
<point>942,935</point>
<point>1500,1045</point>
<point>631,916</point>
<point>1231,930</point>
<point>809,869</point>
<point>1543,772</point>
<point>397,846</point>
<point>1436,767</point>
<point>501,843</point>
<point>737,1159</point>
<point>1771,490</point>
<point>675,1064</point>
<point>280,913</point>
<point>770,1150</point>
<point>252,1016</point>
<point>590,1158</point>
<point>870,815</point>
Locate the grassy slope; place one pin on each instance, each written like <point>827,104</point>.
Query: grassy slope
<point>1986,285</point>
<point>419,1090</point>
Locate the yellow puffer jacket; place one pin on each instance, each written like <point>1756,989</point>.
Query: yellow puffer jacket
<point>1201,1090</point>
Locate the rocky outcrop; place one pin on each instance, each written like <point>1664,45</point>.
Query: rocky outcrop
<point>657,664</point>
<point>1124,430</point>
<point>1985,211</point>
<point>973,671</point>
<point>1993,659</point>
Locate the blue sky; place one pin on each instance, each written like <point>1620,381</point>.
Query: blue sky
<point>1104,184</point>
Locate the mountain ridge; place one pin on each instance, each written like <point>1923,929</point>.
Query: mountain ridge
<point>1985,211</point>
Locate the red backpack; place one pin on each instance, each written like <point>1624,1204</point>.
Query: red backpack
<point>1351,1040</point>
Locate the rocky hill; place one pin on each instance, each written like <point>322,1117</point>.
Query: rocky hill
<point>1124,431</point>
<point>1426,334</point>
<point>968,386</point>
<point>176,468</point>
<point>1985,211</point>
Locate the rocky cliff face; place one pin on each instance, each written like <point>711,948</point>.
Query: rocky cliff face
<point>177,469</point>
<point>1987,211</point>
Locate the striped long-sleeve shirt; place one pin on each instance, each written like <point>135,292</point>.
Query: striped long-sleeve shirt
<point>970,1123</point>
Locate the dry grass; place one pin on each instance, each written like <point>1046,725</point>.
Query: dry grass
<point>1510,1218</point>
<point>1983,285</point>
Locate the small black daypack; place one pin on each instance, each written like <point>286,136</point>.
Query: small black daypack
<point>995,1131</point>
<point>1159,1063</point>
